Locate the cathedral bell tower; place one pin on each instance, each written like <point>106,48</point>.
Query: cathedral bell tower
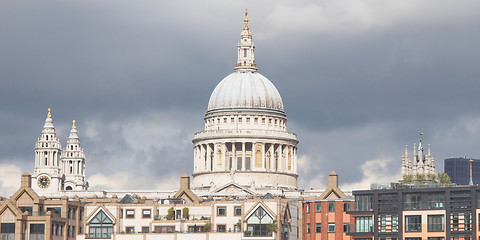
<point>73,163</point>
<point>47,175</point>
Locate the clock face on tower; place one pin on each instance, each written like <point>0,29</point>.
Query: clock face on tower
<point>43,181</point>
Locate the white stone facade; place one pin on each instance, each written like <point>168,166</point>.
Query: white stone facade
<point>55,170</point>
<point>245,141</point>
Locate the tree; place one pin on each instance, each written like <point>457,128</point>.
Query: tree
<point>185,212</point>
<point>272,227</point>
<point>171,212</point>
<point>407,178</point>
<point>420,177</point>
<point>444,178</point>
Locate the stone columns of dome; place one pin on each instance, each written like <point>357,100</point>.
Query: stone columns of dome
<point>209,157</point>
<point>280,158</point>
<point>263,157</point>
<point>234,157</point>
<point>224,156</point>
<point>243,156</point>
<point>272,157</point>
<point>202,158</point>
<point>214,158</point>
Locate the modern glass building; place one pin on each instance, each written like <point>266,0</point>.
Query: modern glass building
<point>458,169</point>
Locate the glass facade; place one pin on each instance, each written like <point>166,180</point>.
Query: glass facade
<point>435,223</point>
<point>363,224</point>
<point>413,223</point>
<point>363,203</point>
<point>101,226</point>
<point>424,201</point>
<point>257,223</point>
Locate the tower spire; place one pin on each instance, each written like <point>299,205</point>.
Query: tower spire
<point>246,56</point>
<point>245,26</point>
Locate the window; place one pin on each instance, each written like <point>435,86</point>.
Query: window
<point>331,227</point>
<point>346,227</point>
<point>146,213</point>
<point>318,227</point>
<point>195,228</point>
<point>239,163</point>
<point>221,211</point>
<point>7,231</point>
<point>308,207</point>
<point>145,229</point>
<point>413,223</point>
<point>74,233</point>
<point>258,223</point>
<point>130,230</point>
<point>245,52</point>
<point>238,211</point>
<point>101,226</point>
<point>130,213</point>
<point>318,207</point>
<point>164,229</point>
<point>239,119</point>
<point>37,229</point>
<point>363,224</point>
<point>74,213</point>
<point>308,227</point>
<point>346,207</point>
<point>331,207</point>
<point>436,238</point>
<point>363,203</point>
<point>435,223</point>
<point>221,228</point>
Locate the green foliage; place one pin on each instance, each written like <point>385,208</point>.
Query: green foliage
<point>208,226</point>
<point>272,227</point>
<point>441,177</point>
<point>171,212</point>
<point>407,178</point>
<point>185,212</point>
<point>420,177</point>
<point>444,178</point>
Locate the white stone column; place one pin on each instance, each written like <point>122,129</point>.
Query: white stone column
<point>234,157</point>
<point>209,157</point>
<point>280,165</point>
<point>243,156</point>
<point>272,157</point>
<point>215,160</point>
<point>194,158</point>
<point>252,159</point>
<point>263,156</point>
<point>224,156</point>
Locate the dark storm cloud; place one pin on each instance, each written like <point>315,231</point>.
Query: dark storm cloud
<point>359,79</point>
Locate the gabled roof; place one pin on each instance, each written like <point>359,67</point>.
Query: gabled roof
<point>234,186</point>
<point>332,192</point>
<point>9,205</point>
<point>262,205</point>
<point>186,193</point>
<point>127,199</point>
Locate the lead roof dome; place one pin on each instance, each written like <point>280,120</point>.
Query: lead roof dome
<point>245,91</point>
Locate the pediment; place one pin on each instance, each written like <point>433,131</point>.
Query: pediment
<point>233,189</point>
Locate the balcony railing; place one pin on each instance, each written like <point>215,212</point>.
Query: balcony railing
<point>98,236</point>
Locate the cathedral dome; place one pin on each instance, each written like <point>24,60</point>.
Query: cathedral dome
<point>245,91</point>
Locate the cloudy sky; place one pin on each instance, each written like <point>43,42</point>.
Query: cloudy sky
<point>359,81</point>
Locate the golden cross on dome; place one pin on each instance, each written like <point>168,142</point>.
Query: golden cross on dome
<point>73,125</point>
<point>246,20</point>
<point>49,115</point>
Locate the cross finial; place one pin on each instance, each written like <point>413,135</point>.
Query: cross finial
<point>73,125</point>
<point>246,20</point>
<point>49,115</point>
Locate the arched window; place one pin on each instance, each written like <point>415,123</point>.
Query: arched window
<point>68,188</point>
<point>101,226</point>
<point>71,147</point>
<point>46,136</point>
<point>258,223</point>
